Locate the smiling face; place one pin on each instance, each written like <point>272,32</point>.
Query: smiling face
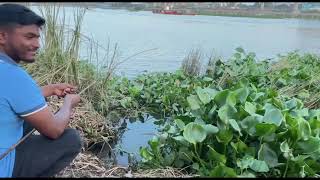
<point>21,42</point>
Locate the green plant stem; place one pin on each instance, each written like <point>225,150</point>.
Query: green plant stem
<point>286,170</point>
<point>197,155</point>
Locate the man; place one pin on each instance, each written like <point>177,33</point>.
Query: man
<point>23,106</point>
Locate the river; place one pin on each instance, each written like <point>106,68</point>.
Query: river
<point>173,36</point>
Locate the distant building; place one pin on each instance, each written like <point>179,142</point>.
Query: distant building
<point>310,7</point>
<point>248,3</point>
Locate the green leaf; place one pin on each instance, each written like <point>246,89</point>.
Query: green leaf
<point>215,156</point>
<point>266,154</point>
<point>277,102</point>
<point>224,136</point>
<point>145,154</point>
<point>231,99</point>
<point>207,79</point>
<point>291,104</point>
<point>293,127</point>
<point>258,95</point>
<point>265,129</point>
<point>242,94</point>
<point>235,125</point>
<point>303,112</point>
<point>284,146</point>
<point>194,133</point>
<point>309,146</point>
<point>272,93</point>
<point>268,107</point>
<point>206,95</point>
<point>270,137</point>
<point>314,124</point>
<point>244,82</point>
<point>222,171</point>
<point>300,158</point>
<point>203,96</point>
<point>172,130</point>
<point>273,116</point>
<point>285,149</point>
<point>227,112</point>
<point>169,158</point>
<point>212,111</point>
<point>179,138</point>
<point>178,163</point>
<point>196,166</point>
<point>250,108</point>
<point>221,97</point>
<point>259,166</point>
<point>199,121</point>
<point>154,144</point>
<point>245,162</point>
<point>211,129</point>
<point>194,102</point>
<point>237,55</point>
<point>239,146</point>
<point>249,124</point>
<point>125,102</point>
<point>240,50</point>
<point>314,113</point>
<point>179,123</point>
<point>305,130</point>
<point>185,154</point>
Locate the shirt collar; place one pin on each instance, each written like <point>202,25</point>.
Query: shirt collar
<point>7,59</point>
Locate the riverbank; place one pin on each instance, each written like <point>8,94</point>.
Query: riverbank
<point>235,12</point>
<point>259,14</point>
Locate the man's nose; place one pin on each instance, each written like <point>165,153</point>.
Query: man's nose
<point>36,44</point>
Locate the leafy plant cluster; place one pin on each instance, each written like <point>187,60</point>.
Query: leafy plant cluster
<point>241,131</point>
<point>293,75</point>
<point>243,118</point>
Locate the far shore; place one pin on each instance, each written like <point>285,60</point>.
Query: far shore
<point>206,12</point>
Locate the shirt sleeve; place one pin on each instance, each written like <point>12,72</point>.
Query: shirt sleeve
<point>25,96</point>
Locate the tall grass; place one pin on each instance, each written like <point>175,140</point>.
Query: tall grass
<point>191,64</point>
<point>58,60</point>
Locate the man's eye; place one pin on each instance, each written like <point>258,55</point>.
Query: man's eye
<point>29,36</point>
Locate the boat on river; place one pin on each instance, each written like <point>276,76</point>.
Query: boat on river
<point>172,11</point>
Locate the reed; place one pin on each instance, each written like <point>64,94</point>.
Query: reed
<point>191,64</point>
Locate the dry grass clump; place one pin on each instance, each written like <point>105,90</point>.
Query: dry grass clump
<point>191,64</point>
<point>163,172</point>
<point>93,127</point>
<point>84,165</point>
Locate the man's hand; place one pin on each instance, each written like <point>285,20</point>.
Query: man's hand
<point>73,99</point>
<point>63,89</point>
<point>59,90</point>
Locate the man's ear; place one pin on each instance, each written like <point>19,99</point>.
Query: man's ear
<point>3,37</point>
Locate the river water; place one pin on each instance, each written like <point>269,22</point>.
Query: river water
<point>172,37</point>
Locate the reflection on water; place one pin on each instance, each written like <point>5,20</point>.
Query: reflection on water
<point>135,135</point>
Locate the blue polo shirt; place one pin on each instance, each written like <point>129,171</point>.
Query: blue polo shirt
<point>19,96</point>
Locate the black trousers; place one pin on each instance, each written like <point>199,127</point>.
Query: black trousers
<point>39,156</point>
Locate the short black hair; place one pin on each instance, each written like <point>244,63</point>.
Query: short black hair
<point>13,14</point>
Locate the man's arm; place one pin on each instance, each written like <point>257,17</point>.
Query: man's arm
<point>47,90</point>
<point>53,125</point>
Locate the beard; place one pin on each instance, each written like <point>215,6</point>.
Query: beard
<point>20,55</point>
